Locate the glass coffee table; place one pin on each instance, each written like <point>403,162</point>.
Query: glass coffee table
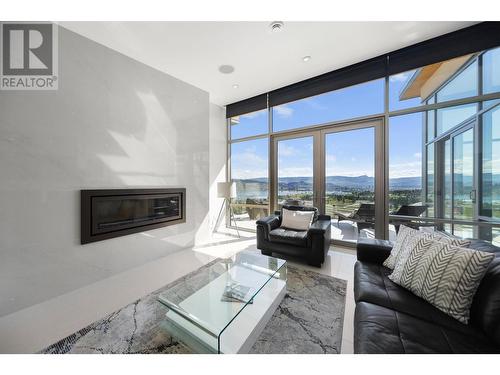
<point>223,308</point>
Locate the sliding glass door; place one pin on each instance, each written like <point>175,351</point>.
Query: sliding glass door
<point>295,171</point>
<point>338,169</point>
<point>456,186</point>
<point>349,185</point>
<point>463,184</point>
<point>489,174</point>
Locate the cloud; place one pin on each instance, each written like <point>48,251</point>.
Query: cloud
<point>296,172</point>
<point>253,115</point>
<point>313,103</point>
<point>408,169</point>
<point>283,111</point>
<point>248,157</point>
<point>401,77</point>
<point>417,155</point>
<point>243,174</point>
<point>285,150</point>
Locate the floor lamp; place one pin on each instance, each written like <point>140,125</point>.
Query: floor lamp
<point>226,190</point>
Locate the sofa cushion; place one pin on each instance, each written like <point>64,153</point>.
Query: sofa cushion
<point>378,329</point>
<point>289,236</point>
<point>444,275</point>
<point>485,309</point>
<point>371,284</point>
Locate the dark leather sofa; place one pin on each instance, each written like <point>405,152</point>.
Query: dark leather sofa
<point>390,319</point>
<point>311,245</point>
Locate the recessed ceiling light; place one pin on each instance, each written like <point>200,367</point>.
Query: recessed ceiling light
<point>235,86</point>
<point>276,26</point>
<point>306,58</point>
<point>226,69</point>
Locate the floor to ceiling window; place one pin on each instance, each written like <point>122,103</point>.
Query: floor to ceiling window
<point>295,171</point>
<point>249,171</point>
<point>349,196</point>
<point>405,168</point>
<point>490,173</point>
<point>441,125</point>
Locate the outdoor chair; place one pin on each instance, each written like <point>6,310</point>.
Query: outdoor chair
<point>364,216</point>
<point>408,210</point>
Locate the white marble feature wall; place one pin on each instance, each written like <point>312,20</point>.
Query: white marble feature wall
<point>113,123</point>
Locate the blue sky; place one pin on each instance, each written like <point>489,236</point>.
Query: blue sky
<point>351,153</point>
<point>348,153</point>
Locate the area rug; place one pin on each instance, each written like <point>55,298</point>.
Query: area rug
<point>308,320</point>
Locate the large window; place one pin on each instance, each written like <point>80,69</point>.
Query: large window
<point>250,124</point>
<point>405,160</point>
<point>491,71</point>
<point>435,83</point>
<point>430,187</point>
<point>349,182</point>
<point>295,171</point>
<point>443,135</point>
<point>399,98</point>
<point>490,164</point>
<point>355,101</point>
<point>463,85</point>
<point>447,118</point>
<point>249,170</point>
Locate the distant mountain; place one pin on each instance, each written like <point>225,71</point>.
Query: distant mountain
<point>405,183</point>
<point>258,187</point>
<point>343,182</point>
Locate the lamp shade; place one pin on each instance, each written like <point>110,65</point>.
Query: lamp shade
<point>226,190</point>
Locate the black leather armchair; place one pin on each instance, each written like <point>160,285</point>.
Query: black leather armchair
<point>311,245</point>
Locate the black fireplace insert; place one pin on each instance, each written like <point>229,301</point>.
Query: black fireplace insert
<point>118,212</point>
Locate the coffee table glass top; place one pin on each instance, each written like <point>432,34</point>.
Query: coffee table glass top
<point>206,302</point>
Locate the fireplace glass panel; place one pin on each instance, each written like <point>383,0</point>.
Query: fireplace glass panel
<point>121,212</point>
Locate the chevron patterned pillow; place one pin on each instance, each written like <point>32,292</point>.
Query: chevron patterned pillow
<point>444,275</point>
<point>403,236</point>
<point>412,239</point>
<point>407,239</point>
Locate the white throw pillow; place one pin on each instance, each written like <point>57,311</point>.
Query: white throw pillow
<point>298,220</point>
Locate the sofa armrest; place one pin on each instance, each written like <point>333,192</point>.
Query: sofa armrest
<point>320,226</point>
<point>325,217</point>
<point>373,250</point>
<point>319,234</point>
<point>272,220</point>
<point>268,223</point>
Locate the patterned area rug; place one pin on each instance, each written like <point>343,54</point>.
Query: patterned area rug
<point>308,320</point>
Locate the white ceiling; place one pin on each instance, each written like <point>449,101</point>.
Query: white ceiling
<point>263,61</point>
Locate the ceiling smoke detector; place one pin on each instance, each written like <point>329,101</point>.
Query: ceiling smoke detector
<point>226,69</point>
<point>276,26</point>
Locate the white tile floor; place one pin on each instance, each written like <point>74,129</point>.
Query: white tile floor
<point>339,263</point>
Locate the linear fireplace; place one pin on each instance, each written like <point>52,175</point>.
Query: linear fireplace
<point>113,213</point>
